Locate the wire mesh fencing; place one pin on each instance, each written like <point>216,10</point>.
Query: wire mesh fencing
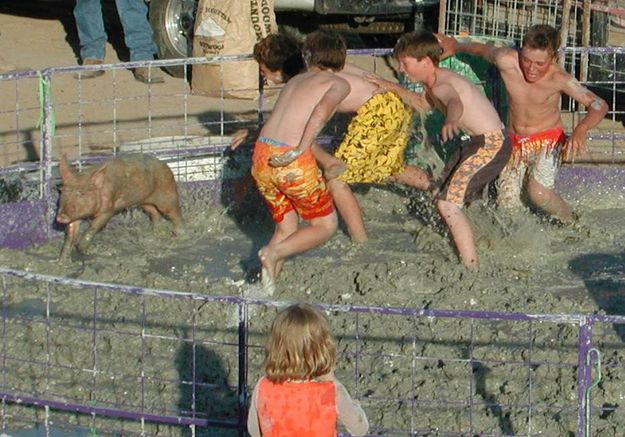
<point>109,360</point>
<point>113,359</point>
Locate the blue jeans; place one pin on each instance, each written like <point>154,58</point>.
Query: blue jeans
<point>133,15</point>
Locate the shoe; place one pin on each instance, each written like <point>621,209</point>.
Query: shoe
<point>147,75</point>
<point>91,73</point>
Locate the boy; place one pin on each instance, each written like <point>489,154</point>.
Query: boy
<point>485,149</point>
<point>535,83</point>
<point>304,105</point>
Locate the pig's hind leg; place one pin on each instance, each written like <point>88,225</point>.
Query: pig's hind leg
<point>171,210</point>
<point>154,214</point>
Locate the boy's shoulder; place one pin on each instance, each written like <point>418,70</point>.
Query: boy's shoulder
<point>507,57</point>
<point>451,78</point>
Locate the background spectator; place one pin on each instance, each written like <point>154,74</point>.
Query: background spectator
<point>137,36</point>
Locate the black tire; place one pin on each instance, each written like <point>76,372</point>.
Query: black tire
<point>172,22</point>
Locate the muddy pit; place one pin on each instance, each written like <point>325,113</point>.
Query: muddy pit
<point>528,265</point>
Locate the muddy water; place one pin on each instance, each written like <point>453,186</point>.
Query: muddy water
<point>527,265</point>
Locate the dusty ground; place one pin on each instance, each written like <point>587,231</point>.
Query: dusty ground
<point>85,109</point>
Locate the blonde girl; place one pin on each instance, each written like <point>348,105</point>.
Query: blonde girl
<point>299,395</point>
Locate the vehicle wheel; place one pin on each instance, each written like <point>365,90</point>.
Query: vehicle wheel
<point>172,22</point>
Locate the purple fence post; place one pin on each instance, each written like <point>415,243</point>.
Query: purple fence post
<point>583,373</point>
<point>242,386</point>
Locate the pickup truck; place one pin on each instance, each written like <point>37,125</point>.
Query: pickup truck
<point>172,20</point>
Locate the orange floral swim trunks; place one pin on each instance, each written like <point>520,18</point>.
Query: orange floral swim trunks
<point>529,148</point>
<point>298,186</point>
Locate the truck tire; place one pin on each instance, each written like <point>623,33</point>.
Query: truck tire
<point>172,22</point>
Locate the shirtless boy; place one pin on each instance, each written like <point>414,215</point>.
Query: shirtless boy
<point>485,148</point>
<point>534,83</point>
<point>279,57</point>
<point>296,190</point>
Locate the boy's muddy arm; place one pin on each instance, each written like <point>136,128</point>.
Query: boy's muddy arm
<point>451,128</point>
<point>238,138</point>
<point>410,98</point>
<point>597,109</point>
<point>320,115</point>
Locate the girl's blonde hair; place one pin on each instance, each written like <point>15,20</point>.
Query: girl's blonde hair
<point>300,346</point>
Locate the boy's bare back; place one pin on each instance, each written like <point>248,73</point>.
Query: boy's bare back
<point>297,101</point>
<point>361,88</point>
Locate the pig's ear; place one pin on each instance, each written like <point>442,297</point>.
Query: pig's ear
<point>64,169</point>
<point>97,178</point>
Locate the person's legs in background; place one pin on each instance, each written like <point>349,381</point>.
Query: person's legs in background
<point>90,26</point>
<point>91,35</point>
<point>138,36</point>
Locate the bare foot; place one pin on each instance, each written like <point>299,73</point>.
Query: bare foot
<point>267,276</point>
<point>335,170</point>
<point>359,239</point>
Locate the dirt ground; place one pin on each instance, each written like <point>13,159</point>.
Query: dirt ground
<point>84,111</point>
<point>102,113</point>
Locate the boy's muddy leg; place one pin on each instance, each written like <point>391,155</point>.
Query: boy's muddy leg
<point>279,248</point>
<point>461,232</point>
<point>349,210</point>
<point>268,269</point>
<point>509,187</point>
<point>547,200</point>
<point>332,167</point>
<point>271,265</point>
<point>414,177</point>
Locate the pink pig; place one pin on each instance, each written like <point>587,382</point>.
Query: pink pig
<point>120,183</point>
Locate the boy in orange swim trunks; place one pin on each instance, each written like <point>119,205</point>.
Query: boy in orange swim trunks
<point>298,189</point>
<point>485,148</point>
<point>535,83</point>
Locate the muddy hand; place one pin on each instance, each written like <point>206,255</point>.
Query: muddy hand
<point>450,130</point>
<point>285,158</point>
<point>237,138</point>
<point>448,44</point>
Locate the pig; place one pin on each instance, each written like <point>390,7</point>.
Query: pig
<point>120,183</point>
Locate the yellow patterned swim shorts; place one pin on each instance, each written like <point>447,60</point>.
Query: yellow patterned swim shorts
<point>374,144</point>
